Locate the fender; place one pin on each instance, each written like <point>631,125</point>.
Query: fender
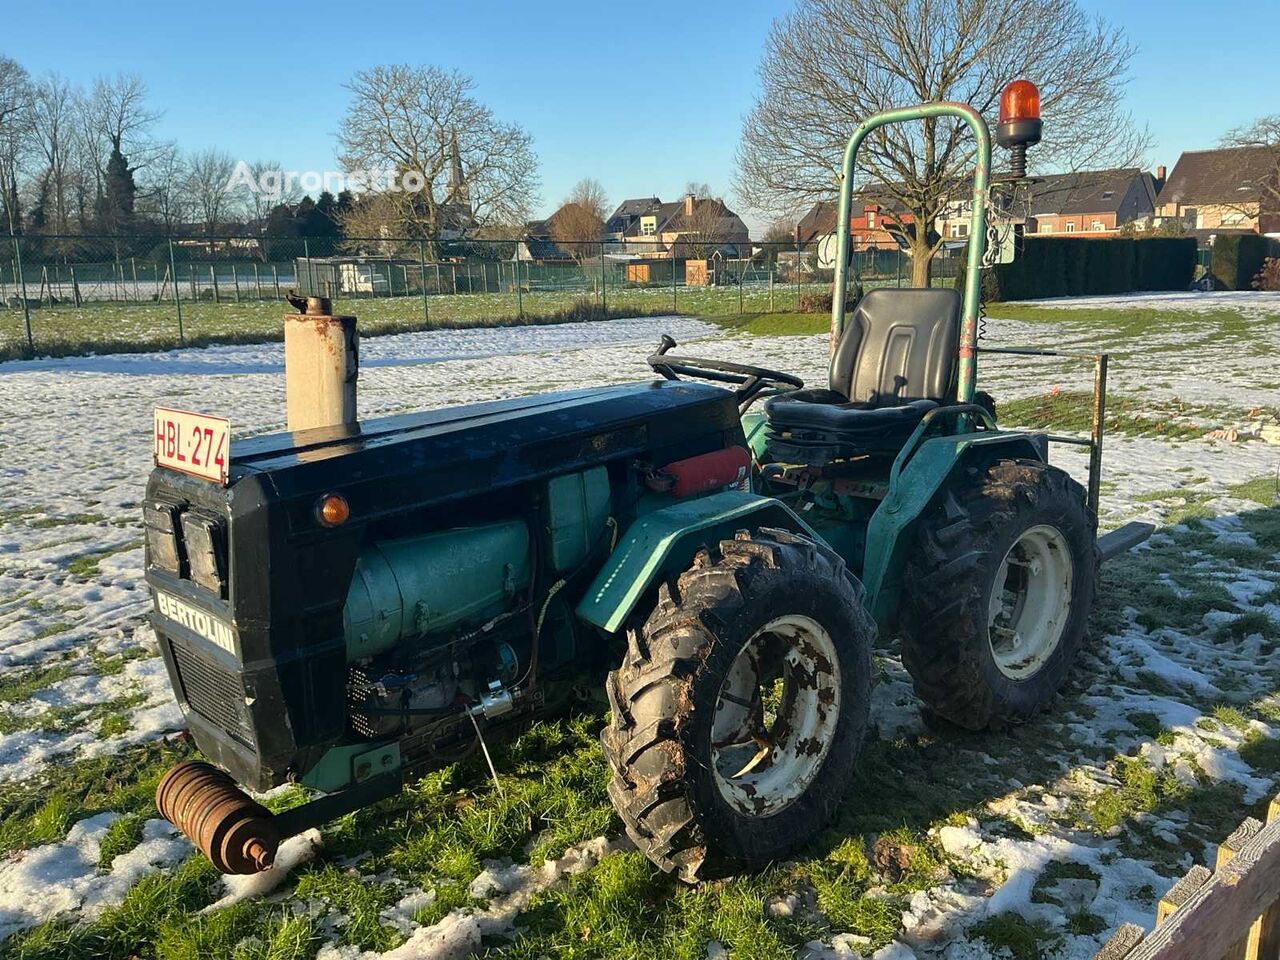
<point>662,542</point>
<point>918,474</point>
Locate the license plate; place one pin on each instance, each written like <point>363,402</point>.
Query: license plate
<point>193,443</point>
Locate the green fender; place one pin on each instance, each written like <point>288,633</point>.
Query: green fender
<point>663,542</point>
<point>917,475</point>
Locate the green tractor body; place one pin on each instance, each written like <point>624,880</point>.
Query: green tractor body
<point>729,566</point>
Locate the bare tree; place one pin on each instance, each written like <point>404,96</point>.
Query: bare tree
<point>16,98</point>
<point>1261,143</point>
<point>271,189</point>
<point>120,111</point>
<point>704,224</point>
<point>53,119</point>
<point>425,122</point>
<point>832,63</point>
<point>165,190</point>
<point>581,217</point>
<point>209,187</point>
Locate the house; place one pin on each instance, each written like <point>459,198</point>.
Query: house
<point>1234,190</point>
<point>1093,202</point>
<point>627,217</point>
<point>693,227</point>
<point>867,227</point>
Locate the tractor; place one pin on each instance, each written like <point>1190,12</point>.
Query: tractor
<point>348,606</point>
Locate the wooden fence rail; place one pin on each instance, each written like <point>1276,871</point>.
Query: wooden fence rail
<point>1232,913</point>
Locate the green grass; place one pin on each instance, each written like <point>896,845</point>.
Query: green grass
<point>1124,331</point>
<point>121,837</point>
<point>64,330</point>
<point>1022,939</point>
<point>1072,411</point>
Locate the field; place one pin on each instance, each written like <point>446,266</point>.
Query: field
<point>1031,843</point>
<point>110,327</point>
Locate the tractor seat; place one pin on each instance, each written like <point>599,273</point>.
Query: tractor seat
<point>895,361</point>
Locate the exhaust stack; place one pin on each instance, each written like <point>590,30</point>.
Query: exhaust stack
<point>321,363</point>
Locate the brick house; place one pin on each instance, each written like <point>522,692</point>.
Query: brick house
<point>1092,202</point>
<point>867,227</point>
<point>1231,190</point>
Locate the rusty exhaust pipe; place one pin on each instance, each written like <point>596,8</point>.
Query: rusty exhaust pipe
<point>235,832</point>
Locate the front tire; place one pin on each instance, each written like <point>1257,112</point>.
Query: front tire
<point>739,710</point>
<point>997,593</point>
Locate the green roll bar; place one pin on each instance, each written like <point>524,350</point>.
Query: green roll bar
<point>977,231</point>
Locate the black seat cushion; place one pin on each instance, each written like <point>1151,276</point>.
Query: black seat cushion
<point>846,419</point>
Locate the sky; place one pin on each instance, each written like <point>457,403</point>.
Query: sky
<point>632,94</point>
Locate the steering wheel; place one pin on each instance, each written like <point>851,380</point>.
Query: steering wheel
<point>752,381</point>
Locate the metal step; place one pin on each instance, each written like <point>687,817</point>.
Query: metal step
<point>1123,538</point>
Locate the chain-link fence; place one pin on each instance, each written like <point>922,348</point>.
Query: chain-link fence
<point>98,294</point>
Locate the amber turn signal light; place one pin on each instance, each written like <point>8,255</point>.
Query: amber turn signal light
<point>332,510</point>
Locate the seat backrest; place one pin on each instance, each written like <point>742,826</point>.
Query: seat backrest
<point>899,346</point>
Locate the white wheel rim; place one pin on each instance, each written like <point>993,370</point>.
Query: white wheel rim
<point>776,715</point>
<point>1030,602</point>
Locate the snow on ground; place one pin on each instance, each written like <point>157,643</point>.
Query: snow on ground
<point>79,677</point>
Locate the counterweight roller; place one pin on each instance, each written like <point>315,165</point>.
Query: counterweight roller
<point>236,833</point>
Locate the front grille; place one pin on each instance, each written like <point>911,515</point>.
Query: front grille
<point>214,693</point>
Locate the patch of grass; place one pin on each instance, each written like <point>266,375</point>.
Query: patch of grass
<point>1250,623</point>
<point>87,566</point>
<point>113,725</point>
<point>53,629</point>
<point>1085,924</point>
<point>1072,411</point>
<point>1261,752</point>
<point>46,523</point>
<point>1147,724</point>
<point>22,685</point>
<point>1059,870</point>
<point>1231,717</point>
<point>450,896</point>
<point>41,809</point>
<point>358,898</point>
<point>1023,939</point>
<point>121,837</point>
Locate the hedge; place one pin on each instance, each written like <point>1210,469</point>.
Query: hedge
<point>1071,266</point>
<point>1237,258</point>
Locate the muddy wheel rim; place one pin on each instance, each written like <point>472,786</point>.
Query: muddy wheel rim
<point>775,716</point>
<point>1030,602</point>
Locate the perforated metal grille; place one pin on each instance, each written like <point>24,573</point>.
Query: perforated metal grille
<point>214,693</point>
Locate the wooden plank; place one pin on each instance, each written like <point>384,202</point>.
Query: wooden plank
<point>1122,941</point>
<point>1211,919</point>
<point>1181,892</point>
<point>1269,925</point>
<point>1246,948</point>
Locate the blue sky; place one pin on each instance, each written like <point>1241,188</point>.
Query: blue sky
<point>631,94</point>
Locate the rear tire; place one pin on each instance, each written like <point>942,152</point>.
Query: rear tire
<point>997,593</point>
<point>716,766</point>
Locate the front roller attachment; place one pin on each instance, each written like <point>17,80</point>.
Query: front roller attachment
<point>240,835</point>
<point>235,832</point>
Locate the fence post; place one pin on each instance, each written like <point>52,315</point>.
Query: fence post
<point>604,287</point>
<point>257,282</point>
<point>75,287</point>
<point>797,268</point>
<point>740,301</point>
<point>235,280</point>
<point>213,278</point>
<point>22,292</point>
<point>519,291</point>
<point>773,267</point>
<point>177,300</point>
<point>674,308</point>
<point>137,291</point>
<point>422,274</point>
<point>306,254</point>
